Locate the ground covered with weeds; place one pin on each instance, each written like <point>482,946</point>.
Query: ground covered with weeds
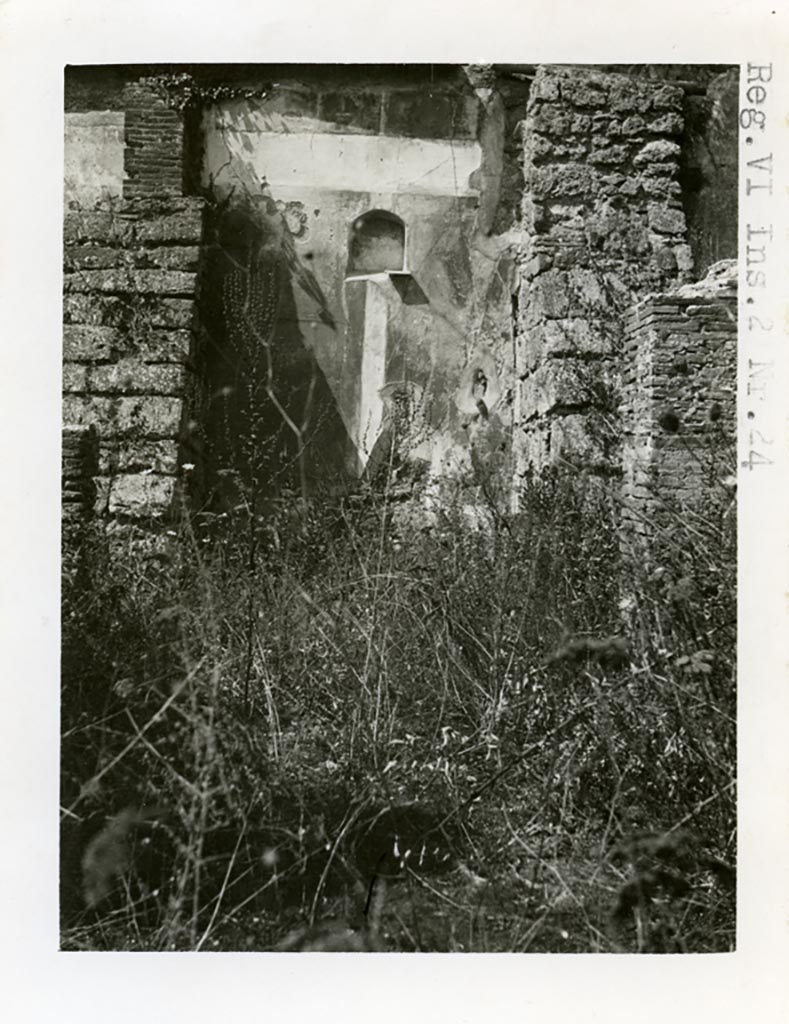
<point>519,734</point>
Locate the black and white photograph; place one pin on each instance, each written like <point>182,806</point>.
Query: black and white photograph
<point>399,508</point>
<point>393,543</point>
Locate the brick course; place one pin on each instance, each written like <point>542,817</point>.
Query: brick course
<point>154,143</point>
<point>679,402</point>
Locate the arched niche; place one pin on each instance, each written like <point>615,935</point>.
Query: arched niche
<point>377,244</point>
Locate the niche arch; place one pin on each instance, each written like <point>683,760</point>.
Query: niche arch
<point>376,244</point>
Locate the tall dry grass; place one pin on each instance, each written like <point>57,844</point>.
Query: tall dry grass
<point>528,733</point>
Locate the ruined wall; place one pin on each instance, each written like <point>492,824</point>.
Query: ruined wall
<point>537,210</point>
<point>603,224</point>
<point>131,252</point>
<point>679,402</point>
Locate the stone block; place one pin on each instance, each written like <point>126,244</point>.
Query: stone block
<point>633,125</point>
<point>129,377</point>
<point>660,187</point>
<point>627,95</point>
<point>567,337</point>
<point>572,254</point>
<point>684,255</point>
<point>618,231</point>
<point>136,456</point>
<point>183,226</point>
<point>615,154</point>
<point>91,225</point>
<point>159,282</point>
<point>667,97</point>
<point>583,91</point>
<point>581,124</point>
<point>90,310</point>
<point>667,124</point>
<point>96,257</point>
<point>656,152</point>
<point>90,257</point>
<point>586,291</point>
<point>560,385</point>
<point>540,149</point>
<point>179,220</point>
<point>613,180</point>
<point>666,259</point>
<point>157,346</point>
<point>669,169</point>
<point>551,119</point>
<point>96,310</point>
<point>537,148</point>
<point>557,294</point>
<point>170,313</point>
<point>555,181</point>
<point>141,494</point>
<point>169,257</point>
<point>74,377</point>
<point>548,296</point>
<point>545,87</point>
<point>149,417</point>
<point>88,344</point>
<point>567,212</point>
<point>666,219</point>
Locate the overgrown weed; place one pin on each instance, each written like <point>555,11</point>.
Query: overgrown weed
<point>528,731</point>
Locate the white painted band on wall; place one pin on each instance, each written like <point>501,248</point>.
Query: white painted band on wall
<point>352,163</point>
<point>371,406</point>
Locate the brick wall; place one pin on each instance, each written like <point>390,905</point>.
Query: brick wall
<point>679,401</point>
<point>79,467</point>
<point>603,224</point>
<point>154,143</point>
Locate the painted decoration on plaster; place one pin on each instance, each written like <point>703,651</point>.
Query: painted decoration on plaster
<point>479,389</point>
<point>376,234</point>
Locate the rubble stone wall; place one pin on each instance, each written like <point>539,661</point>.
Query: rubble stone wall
<point>603,224</point>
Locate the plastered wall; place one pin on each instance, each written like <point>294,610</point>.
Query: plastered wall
<point>315,159</point>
